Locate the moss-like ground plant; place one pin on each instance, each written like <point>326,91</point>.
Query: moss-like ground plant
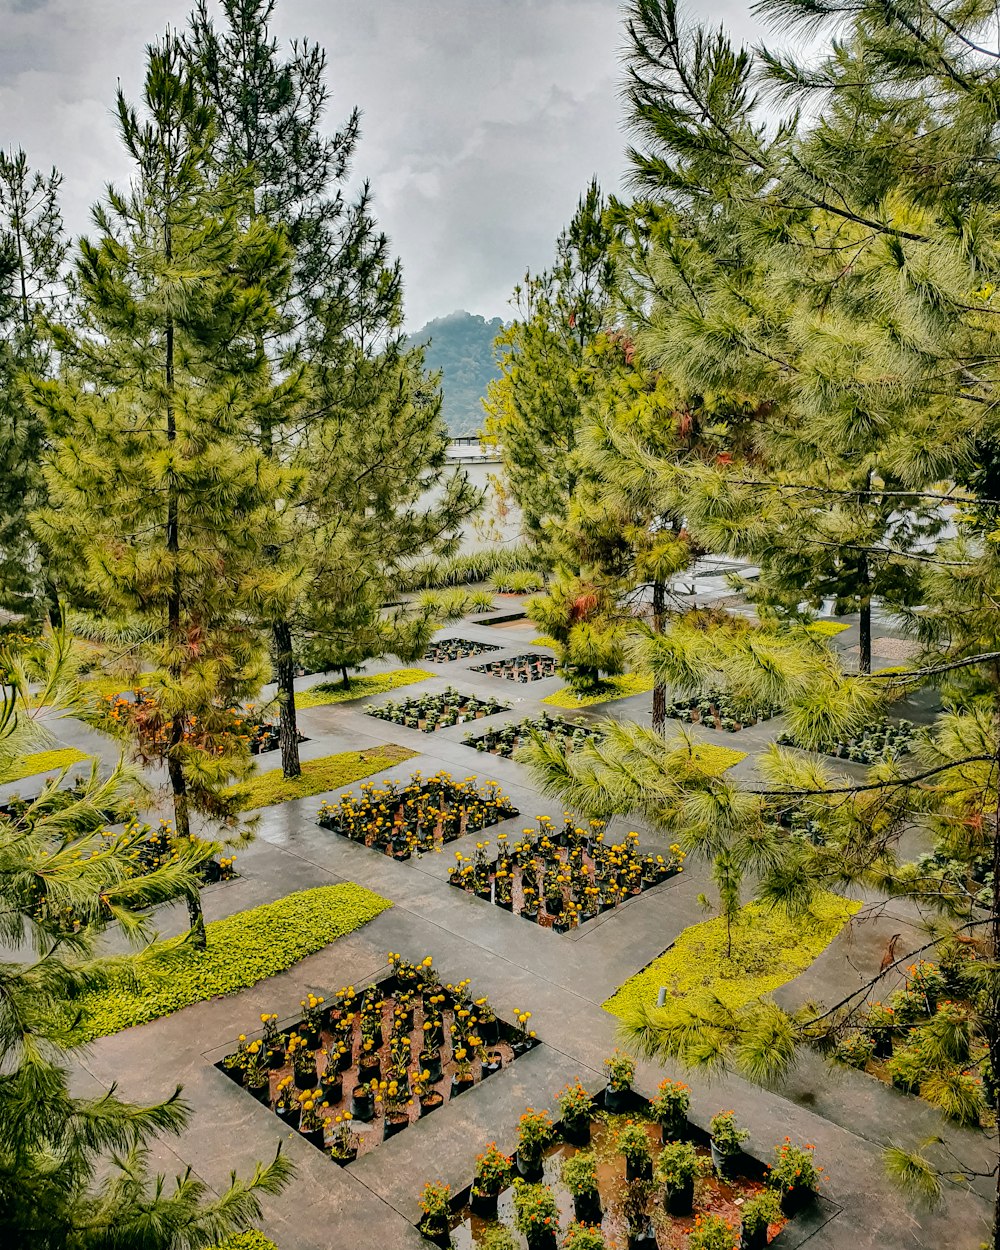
<point>46,762</point>
<point>769,948</point>
<point>623,687</point>
<point>330,772</point>
<point>327,692</point>
<point>242,949</point>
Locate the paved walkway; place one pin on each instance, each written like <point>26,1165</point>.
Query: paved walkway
<point>561,979</point>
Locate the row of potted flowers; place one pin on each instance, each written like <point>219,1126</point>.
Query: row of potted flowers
<point>448,649</point>
<point>533,666</point>
<point>429,712</point>
<point>382,1056</point>
<point>419,816</point>
<point>562,875</point>
<point>507,738</point>
<point>658,1183</point>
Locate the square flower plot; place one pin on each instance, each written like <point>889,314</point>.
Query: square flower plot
<point>719,710</point>
<point>421,816</point>
<point>430,712</point>
<point>562,877</point>
<point>523,668</point>
<point>448,649</point>
<point>616,1169</point>
<point>506,738</point>
<point>357,1070</point>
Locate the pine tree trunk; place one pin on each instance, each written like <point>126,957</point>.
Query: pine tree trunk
<point>659,689</point>
<point>344,677</point>
<point>54,606</point>
<point>288,729</point>
<point>865,623</point>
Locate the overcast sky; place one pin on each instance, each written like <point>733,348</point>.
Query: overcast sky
<point>482,119</point>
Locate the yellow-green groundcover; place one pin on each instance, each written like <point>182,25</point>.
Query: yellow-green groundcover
<point>360,688</point>
<point>242,949</point>
<point>769,948</point>
<point>46,762</point>
<point>329,772</point>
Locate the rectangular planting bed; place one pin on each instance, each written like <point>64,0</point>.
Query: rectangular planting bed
<point>881,741</point>
<point>430,712</point>
<point>719,710</point>
<point>506,738</point>
<point>532,666</point>
<point>563,877</point>
<point>357,1070</point>
<point>449,649</point>
<point>621,1174</point>
<point>420,816</point>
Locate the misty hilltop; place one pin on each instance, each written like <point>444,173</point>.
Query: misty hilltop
<point>461,346</point>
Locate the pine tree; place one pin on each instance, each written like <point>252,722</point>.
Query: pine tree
<point>823,268</point>
<point>536,410</point>
<point>32,255</point>
<point>156,488</point>
<point>367,437</point>
<point>74,1170</point>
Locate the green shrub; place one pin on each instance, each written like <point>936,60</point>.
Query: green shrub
<point>365,687</point>
<point>44,762</point>
<point>252,1240</point>
<point>769,948</point>
<point>330,772</point>
<point>518,582</point>
<point>242,950</point>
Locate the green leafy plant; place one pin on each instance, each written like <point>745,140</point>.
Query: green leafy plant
<point>671,1102</point>
<point>620,1071</point>
<point>712,1232</point>
<point>583,1237</point>
<point>241,950</point>
<point>632,1141</point>
<point>579,1173</point>
<point>677,1164</point>
<point>367,686</point>
<point>53,761</point>
<point>435,1200</point>
<point>760,1211</point>
<point>535,1208</point>
<point>535,1132</point>
<point>493,1170</point>
<point>575,1105</point>
<point>794,1167</point>
<point>727,1136</point>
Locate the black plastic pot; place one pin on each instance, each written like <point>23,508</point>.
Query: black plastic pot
<point>431,1064</point>
<point>304,1076</point>
<point>369,1069</point>
<point>577,1132</point>
<point>436,1230</point>
<point>489,1031</point>
<point>529,1169</point>
<point>679,1199</point>
<point>615,1100</point>
<point>797,1199</point>
<point>673,1130</point>
<point>723,1163</point>
<point>289,1116</point>
<point>393,1125</point>
<point>315,1136</point>
<point>260,1092</point>
<point>361,1104</point>
<point>756,1240</point>
<point>347,1157</point>
<point>639,1170</point>
<point>483,1205</point>
<point>459,1084</point>
<point>430,1102</point>
<point>587,1207</point>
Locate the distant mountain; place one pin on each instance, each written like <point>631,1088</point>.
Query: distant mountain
<point>461,346</point>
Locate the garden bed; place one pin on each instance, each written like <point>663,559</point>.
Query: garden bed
<point>881,741</point>
<point>449,649</point>
<point>508,737</point>
<point>719,710</point>
<point>562,877</point>
<point>431,712</point>
<point>532,666</point>
<point>926,1039</point>
<point>420,816</point>
<point>355,1071</point>
<point>621,1173</point>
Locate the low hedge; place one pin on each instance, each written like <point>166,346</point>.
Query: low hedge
<point>252,1240</point>
<point>329,772</point>
<point>827,629</point>
<point>714,760</point>
<point>326,692</point>
<point>242,950</point>
<point>769,948</point>
<point>614,688</point>
<point>45,762</point>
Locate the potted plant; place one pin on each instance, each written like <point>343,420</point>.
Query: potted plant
<point>576,1110</point>
<point>794,1175</point>
<point>727,1140</point>
<point>620,1072</point>
<point>670,1109</point>
<point>286,1108</point>
<point>344,1145</point>
<point>536,1215</point>
<point>632,1141</point>
<point>395,1100</point>
<point>535,1132</point>
<point>494,1170</point>
<point>423,1090</point>
<point>583,1237</point>
<point>579,1175</point>
<point>675,1171</point>
<point>711,1232</point>
<point>524,1038</point>
<point>634,1208</point>
<point>312,1013</point>
<point>312,1126</point>
<point>362,1102</point>
<point>272,1041</point>
<point>435,1207</point>
<point>756,1215</point>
